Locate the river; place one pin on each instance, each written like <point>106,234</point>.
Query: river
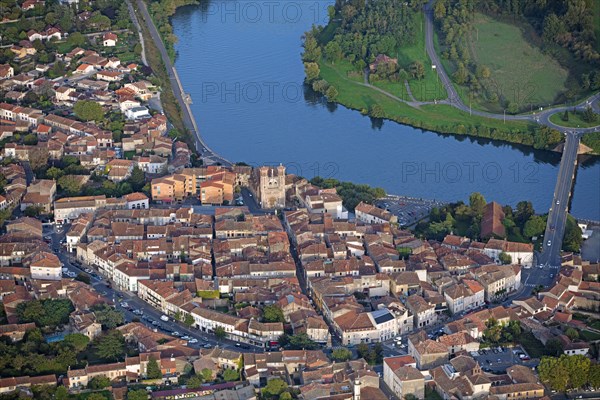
<point>240,62</point>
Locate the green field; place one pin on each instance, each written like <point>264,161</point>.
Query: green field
<point>426,89</point>
<point>574,121</point>
<point>440,118</point>
<point>522,73</point>
<point>589,335</point>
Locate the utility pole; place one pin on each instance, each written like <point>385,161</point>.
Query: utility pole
<point>505,115</point>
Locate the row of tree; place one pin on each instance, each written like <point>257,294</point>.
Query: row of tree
<point>569,372</point>
<point>568,23</point>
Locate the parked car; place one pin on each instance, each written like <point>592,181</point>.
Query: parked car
<point>176,334</point>
<point>185,337</point>
<point>193,341</point>
<point>164,318</point>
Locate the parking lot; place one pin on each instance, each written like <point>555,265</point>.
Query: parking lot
<point>409,210</point>
<point>499,358</point>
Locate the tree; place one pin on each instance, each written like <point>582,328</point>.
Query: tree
<point>220,332</point>
<point>33,211</point>
<point>70,184</point>
<point>534,226</point>
<point>572,333</point>
<point>300,342</point>
<point>477,203</point>
<point>76,39</point>
<point>573,235</point>
<point>523,213</point>
<point>376,111</point>
<point>417,70</point>
<point>363,351</point>
<point>230,375</point>
<point>589,115</point>
<point>565,116</point>
<point>95,396</point>
<point>45,313</point>
<point>312,71</point>
<point>341,354</point>
<point>554,347</point>
<point>69,160</point>
<point>139,394</point>
<point>461,75</point>
<point>111,346</point>
<point>137,180</point>
<point>188,320</point>
<point>99,382</point>
<point>38,157</point>
<point>153,370</point>
<point>273,313</point>
<point>505,258</point>
<point>274,388</point>
<point>108,316</point>
<point>61,393</point>
<point>54,173</point>
<point>483,72</point>
<point>333,51</point>
<point>594,376</point>
<point>194,382</point>
<point>331,93</point>
<point>207,374</point>
<point>83,277</point>
<point>30,139</point>
<point>312,51</point>
<point>77,341</point>
<point>88,110</point>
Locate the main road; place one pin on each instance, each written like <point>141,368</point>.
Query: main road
<point>557,216</point>
<point>209,156</point>
<point>541,117</point>
<point>150,313</point>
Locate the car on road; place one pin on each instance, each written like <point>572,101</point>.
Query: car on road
<point>124,304</point>
<point>193,341</point>
<point>164,318</point>
<point>185,337</point>
<point>557,202</point>
<point>549,243</point>
<point>207,346</point>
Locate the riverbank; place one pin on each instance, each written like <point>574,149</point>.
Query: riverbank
<point>441,118</point>
<point>330,71</point>
<point>154,59</point>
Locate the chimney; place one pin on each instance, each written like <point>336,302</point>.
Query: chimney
<point>356,389</point>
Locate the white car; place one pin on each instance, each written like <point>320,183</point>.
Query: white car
<point>185,337</point>
<point>193,340</point>
<point>549,243</point>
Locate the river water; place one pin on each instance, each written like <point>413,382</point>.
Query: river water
<point>240,62</point>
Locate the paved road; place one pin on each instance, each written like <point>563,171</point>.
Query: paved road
<point>557,216</point>
<point>542,117</point>
<point>209,156</point>
<point>117,296</point>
